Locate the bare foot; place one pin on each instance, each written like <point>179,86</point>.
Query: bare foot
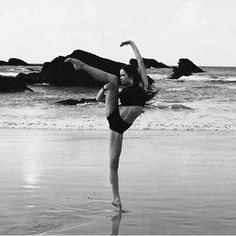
<point>75,62</point>
<point>117,203</point>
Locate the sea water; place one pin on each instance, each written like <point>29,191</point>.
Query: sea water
<point>202,101</point>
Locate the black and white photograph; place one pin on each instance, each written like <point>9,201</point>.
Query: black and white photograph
<point>117,117</point>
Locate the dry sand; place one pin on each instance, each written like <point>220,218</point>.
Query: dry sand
<point>172,182</point>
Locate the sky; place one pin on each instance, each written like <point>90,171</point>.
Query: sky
<point>37,31</point>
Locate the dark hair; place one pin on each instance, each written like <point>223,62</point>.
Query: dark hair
<point>132,71</point>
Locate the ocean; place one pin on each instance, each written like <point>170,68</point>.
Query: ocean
<point>203,101</point>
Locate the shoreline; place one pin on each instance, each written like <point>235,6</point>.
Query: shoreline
<point>171,182</point>
<point>106,130</point>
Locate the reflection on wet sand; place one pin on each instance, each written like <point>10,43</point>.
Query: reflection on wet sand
<point>32,162</point>
<point>116,219</point>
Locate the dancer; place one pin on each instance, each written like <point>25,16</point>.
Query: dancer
<point>120,117</point>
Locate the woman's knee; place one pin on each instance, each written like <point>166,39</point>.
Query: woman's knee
<point>114,80</point>
<point>111,86</point>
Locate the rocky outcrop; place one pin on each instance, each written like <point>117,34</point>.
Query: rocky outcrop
<point>16,62</point>
<point>31,78</point>
<point>11,84</point>
<point>3,63</point>
<point>149,63</point>
<point>58,72</point>
<point>101,63</point>
<point>174,107</point>
<point>185,67</point>
<point>13,62</point>
<point>75,102</point>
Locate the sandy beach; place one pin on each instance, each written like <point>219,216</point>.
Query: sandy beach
<point>171,182</point>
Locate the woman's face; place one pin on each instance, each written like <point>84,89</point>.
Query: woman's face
<point>124,78</point>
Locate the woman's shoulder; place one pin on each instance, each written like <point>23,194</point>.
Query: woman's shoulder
<point>141,89</point>
<point>134,89</point>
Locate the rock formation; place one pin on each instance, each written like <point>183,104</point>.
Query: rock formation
<point>75,102</point>
<point>3,63</point>
<point>185,67</point>
<point>31,78</point>
<point>16,62</point>
<point>149,63</point>
<point>60,73</point>
<point>11,84</point>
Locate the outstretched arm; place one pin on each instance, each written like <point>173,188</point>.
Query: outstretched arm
<point>141,66</point>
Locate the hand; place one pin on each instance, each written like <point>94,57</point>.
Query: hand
<point>75,62</point>
<point>107,86</point>
<point>129,42</point>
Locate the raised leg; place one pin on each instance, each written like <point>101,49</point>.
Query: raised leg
<point>115,150</point>
<point>102,76</point>
<point>97,74</point>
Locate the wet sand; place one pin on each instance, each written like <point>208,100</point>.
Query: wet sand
<point>172,182</point>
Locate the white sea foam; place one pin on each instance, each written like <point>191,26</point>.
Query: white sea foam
<point>158,76</point>
<point>13,71</point>
<point>154,119</point>
<point>206,77</point>
<point>10,74</point>
<point>190,103</point>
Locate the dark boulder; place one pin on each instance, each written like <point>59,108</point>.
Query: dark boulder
<point>3,63</point>
<point>149,63</point>
<point>185,67</point>
<point>58,72</point>
<point>75,102</point>
<point>31,78</point>
<point>101,63</point>
<point>16,62</point>
<point>11,84</point>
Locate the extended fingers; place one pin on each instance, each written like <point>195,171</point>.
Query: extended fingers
<point>68,60</point>
<point>126,43</point>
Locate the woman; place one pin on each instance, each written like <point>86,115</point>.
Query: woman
<point>132,97</point>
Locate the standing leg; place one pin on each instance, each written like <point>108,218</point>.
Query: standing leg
<point>115,145</point>
<point>110,104</point>
<point>115,150</point>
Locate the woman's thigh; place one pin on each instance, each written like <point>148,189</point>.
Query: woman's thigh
<point>111,101</point>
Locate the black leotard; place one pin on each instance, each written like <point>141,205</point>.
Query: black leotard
<point>130,96</point>
<point>133,96</point>
<point>116,123</point>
